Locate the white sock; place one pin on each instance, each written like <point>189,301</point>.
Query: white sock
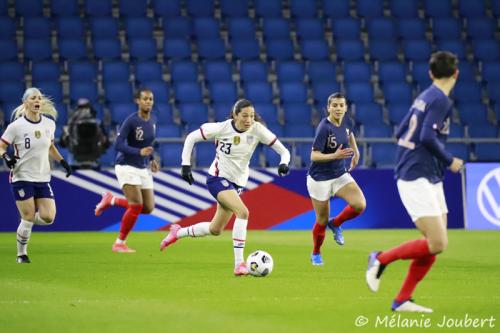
<point>39,221</point>
<point>201,229</point>
<point>23,237</point>
<point>119,241</point>
<point>239,239</point>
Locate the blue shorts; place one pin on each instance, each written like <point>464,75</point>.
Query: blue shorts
<point>219,184</point>
<point>24,190</point>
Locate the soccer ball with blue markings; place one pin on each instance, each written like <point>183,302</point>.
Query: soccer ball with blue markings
<point>260,263</point>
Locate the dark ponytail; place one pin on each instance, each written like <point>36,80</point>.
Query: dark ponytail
<point>240,105</point>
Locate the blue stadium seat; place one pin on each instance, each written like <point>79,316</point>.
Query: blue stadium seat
<point>473,113</point>
<point>148,71</point>
<point>377,130</point>
<point>222,110</point>
<point>212,48</point>
<point>350,50</point>
<point>298,113</point>
<point>404,9</point>
<point>72,49</point>
<point>381,29</point>
<point>471,9</point>
<point>409,29</point>
<point>321,71</point>
<point>279,49</point>
<point>397,93</point>
<point>397,112</point>
<point>487,152</point>
<point>174,49</point>
<point>193,113</point>
<point>417,50</point>
<point>258,92</point>
<point>277,130</point>
<point>391,72</point>
<point>107,49</point>
<point>132,8</point>
<point>322,90</point>
<point>300,8</point>
<point>335,9</point>
<point>166,9</point>
<point>62,115</point>
<point>241,27</point>
<point>268,8</point>
<point>206,27</point>
<point>160,89</point>
<point>369,8</point>
<point>218,71</point>
<point>115,71</point>
<point>34,49</point>
<point>183,71</point>
<point>170,154</point>
<point>495,7</point>
<point>52,89</point>
<point>359,92</point>
<point>163,112</point>
<point>309,28</point>
<point>7,28</point>
<point>272,159</point>
<point>275,28</point>
<point>11,91</point>
<point>460,150</point>
<point>221,92</point>
<point>293,92</point>
<point>232,8</point>
<point>480,28</point>
<point>268,112</point>
<point>493,89</point>
<point>420,74</point>
<point>178,27</point>
<point>465,92</point>
<point>369,113</point>
<point>290,71</point>
<point>497,112</point>
<point>356,72</point>
<point>37,27</point>
<point>437,8</point>
<point>383,154</point>
<point>139,27</point>
<point>253,71</point>
<point>456,46</point>
<point>28,8</point>
<point>299,131</point>
<point>204,154</point>
<point>446,28</point>
<point>200,8</point>
<point>245,49</point>
<point>483,131</point>
<point>467,71</point>
<point>142,49</point>
<point>383,50</point>
<point>101,8</point>
<point>11,71</point>
<point>188,92</point>
<point>486,50</point>
<point>118,92</point>
<point>456,131</point>
<point>314,49</point>
<point>346,29</point>
<point>303,150</point>
<point>168,131</point>
<point>82,71</point>
<point>70,28</point>
<point>108,158</point>
<point>120,111</point>
<point>64,8</point>
<point>104,27</point>
<point>83,89</point>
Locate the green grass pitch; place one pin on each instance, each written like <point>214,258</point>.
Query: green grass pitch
<point>76,284</point>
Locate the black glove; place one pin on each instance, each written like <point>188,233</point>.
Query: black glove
<point>283,169</point>
<point>66,166</point>
<point>10,160</point>
<point>186,174</point>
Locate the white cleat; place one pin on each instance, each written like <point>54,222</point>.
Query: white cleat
<point>409,306</point>
<point>373,272</point>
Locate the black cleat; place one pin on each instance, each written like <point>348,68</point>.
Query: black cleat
<point>23,259</point>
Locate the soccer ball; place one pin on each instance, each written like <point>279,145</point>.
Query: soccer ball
<point>260,263</point>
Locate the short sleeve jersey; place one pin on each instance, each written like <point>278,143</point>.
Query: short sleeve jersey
<point>234,148</point>
<point>327,140</point>
<point>31,142</point>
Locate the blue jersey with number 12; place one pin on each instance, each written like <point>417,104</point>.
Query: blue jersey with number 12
<point>421,137</point>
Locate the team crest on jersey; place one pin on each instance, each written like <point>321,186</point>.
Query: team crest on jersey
<point>224,183</point>
<point>38,134</point>
<point>250,139</point>
<point>236,140</point>
<point>21,193</point>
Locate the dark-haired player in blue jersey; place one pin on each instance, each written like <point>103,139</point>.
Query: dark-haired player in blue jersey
<point>329,176</point>
<point>133,166</point>
<point>421,161</point>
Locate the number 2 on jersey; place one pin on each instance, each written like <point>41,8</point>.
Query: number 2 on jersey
<point>225,147</point>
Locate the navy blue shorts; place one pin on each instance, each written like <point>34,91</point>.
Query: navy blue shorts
<point>218,184</point>
<point>25,190</point>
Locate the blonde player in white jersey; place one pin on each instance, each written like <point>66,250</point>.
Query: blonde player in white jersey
<point>32,136</point>
<point>236,140</point>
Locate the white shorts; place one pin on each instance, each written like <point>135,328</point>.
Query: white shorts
<point>421,198</point>
<point>324,189</point>
<point>130,175</point>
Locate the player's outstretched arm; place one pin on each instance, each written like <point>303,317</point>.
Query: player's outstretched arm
<point>55,154</point>
<point>283,167</point>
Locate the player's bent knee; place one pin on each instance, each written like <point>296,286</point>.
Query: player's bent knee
<point>438,245</point>
<point>215,231</point>
<point>359,206</point>
<point>147,210</point>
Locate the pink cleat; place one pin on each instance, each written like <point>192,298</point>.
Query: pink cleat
<point>171,237</point>
<point>241,269</point>
<point>104,203</point>
<point>122,248</point>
